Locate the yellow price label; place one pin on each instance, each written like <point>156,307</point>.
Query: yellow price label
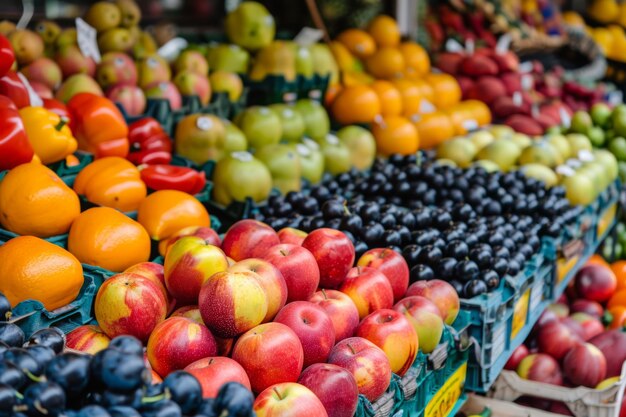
<point>444,400</point>
<point>564,266</point>
<point>520,314</point>
<point>605,221</point>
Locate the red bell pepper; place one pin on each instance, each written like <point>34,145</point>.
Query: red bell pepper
<point>169,177</point>
<point>15,149</point>
<point>7,56</point>
<point>149,144</point>
<point>56,106</point>
<point>12,87</point>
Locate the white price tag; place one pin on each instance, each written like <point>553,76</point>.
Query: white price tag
<point>525,67</point>
<point>35,100</point>
<point>172,49</point>
<point>564,171</point>
<point>585,155</point>
<point>517,98</point>
<point>86,37</point>
<point>242,156</point>
<point>453,46</point>
<point>566,119</point>
<point>534,110</point>
<point>470,46</point>
<point>470,125</point>
<point>526,82</point>
<point>308,36</point>
<point>332,139</point>
<point>503,45</point>
<point>311,144</point>
<point>426,107</point>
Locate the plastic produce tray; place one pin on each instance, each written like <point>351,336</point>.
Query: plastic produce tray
<point>63,169</point>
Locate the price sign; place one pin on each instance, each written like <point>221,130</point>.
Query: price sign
<point>444,400</point>
<point>86,37</point>
<point>308,36</point>
<point>606,220</point>
<point>520,314</point>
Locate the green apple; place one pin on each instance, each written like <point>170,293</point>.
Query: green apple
<point>238,176</point>
<point>540,172</point>
<point>229,58</point>
<point>501,131</point>
<point>316,121</point>
<point>622,171</point>
<point>619,121</point>
<point>361,144</point>
<point>291,121</point>
<point>502,152</point>
<point>607,160</point>
<point>337,158</point>
<point>597,173</point>
<point>521,140</point>
<point>304,62</point>
<point>488,166</point>
<point>541,152</point>
<point>261,126</point>
<point>581,121</point>
<point>578,142</point>
<point>600,114</point>
<point>235,139</point>
<point>481,139</point>
<point>250,26</point>
<point>618,148</point>
<point>561,144</point>
<point>459,150</point>
<point>596,136</point>
<point>579,189</point>
<point>284,164</point>
<point>311,160</point>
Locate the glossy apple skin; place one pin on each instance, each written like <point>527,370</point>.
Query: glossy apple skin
<point>595,282</point>
<point>249,239</point>
<point>334,254</point>
<point>368,288</point>
<point>516,357</point>
<point>177,342</point>
<point>292,236</point>
<point>189,263</point>
<point>209,235</point>
<point>613,344</point>
<point>556,339</point>
<point>541,368</point>
<point>425,318</point>
<point>87,338</point>
<point>191,312</point>
<point>156,273</point>
<point>313,327</point>
<point>334,386</point>
<point>288,399</point>
<point>591,326</point>
<point>366,362</point>
<point>215,371</point>
<point>394,334</point>
<point>298,268</point>
<point>272,281</point>
<point>129,304</point>
<point>442,294</point>
<point>392,265</point>
<point>584,365</point>
<point>586,306</point>
<point>232,303</point>
<point>341,310</point>
<point>559,309</point>
<point>270,353</point>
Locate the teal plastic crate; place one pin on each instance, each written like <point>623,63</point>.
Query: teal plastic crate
<point>63,169</point>
<point>271,90</point>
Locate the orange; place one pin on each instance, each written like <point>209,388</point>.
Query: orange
<point>617,299</point>
<point>386,63</point>
<point>355,78</point>
<point>426,91</point>
<point>33,269</point>
<point>385,31</point>
<point>331,93</point>
<point>478,110</point>
<point>415,58</point>
<point>433,128</point>
<point>459,118</point>
<point>447,90</point>
<point>395,134</point>
<point>356,104</point>
<point>34,201</point>
<point>599,260</point>
<point>104,237</point>
<point>358,42</point>
<point>411,97</point>
<point>389,97</point>
<point>167,211</point>
<point>619,269</point>
<point>617,317</point>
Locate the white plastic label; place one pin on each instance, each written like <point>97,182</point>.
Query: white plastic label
<point>566,120</point>
<point>564,170</point>
<point>308,36</point>
<point>525,67</point>
<point>470,124</point>
<point>303,150</point>
<point>243,156</point>
<point>332,139</point>
<point>311,144</point>
<point>503,45</point>
<point>416,118</point>
<point>585,155</point>
<point>517,98</point>
<point>204,123</point>
<point>453,46</point>
<point>470,46</point>
<point>426,106</point>
<point>172,49</point>
<point>526,82</point>
<point>33,97</point>
<point>534,110</point>
<point>86,37</point>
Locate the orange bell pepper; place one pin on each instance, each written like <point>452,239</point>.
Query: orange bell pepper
<point>111,182</point>
<point>98,125</point>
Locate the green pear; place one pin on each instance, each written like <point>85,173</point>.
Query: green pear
<point>103,16</point>
<point>503,152</point>
<point>578,142</point>
<point>315,118</point>
<point>238,176</point>
<point>304,62</point>
<point>261,126</point>
<point>291,120</point>
<point>250,26</point>
<point>487,165</point>
<point>540,172</point>
<point>541,152</point>
<point>561,144</point>
<point>337,158</point>
<point>115,40</point>
<point>229,58</point>
<point>311,160</point>
<point>324,62</point>
<point>608,161</point>
<point>235,139</point>
<point>284,164</point>
<point>579,189</point>
<point>361,144</point>
<point>459,150</point>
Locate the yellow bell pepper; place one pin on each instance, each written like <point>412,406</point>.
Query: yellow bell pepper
<point>49,134</point>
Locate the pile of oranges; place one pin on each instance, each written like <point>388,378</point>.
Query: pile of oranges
<point>389,84</point>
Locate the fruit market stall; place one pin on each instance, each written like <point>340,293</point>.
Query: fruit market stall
<point>339,221</point>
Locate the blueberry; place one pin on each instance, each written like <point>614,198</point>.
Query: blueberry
<point>185,390</point>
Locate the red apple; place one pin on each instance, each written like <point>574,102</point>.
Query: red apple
<point>442,294</point>
<point>560,408</point>
<point>213,372</point>
<point>366,362</point>
<point>156,273</point>
<point>88,338</point>
<point>232,303</point>
<point>209,235</point>
<point>556,339</point>
<point>392,265</point>
<point>425,318</point>
<point>291,235</point>
<point>334,254</point>
<point>584,365</point>
<point>177,342</point>
<point>313,327</point>
<point>575,326</point>
<point>541,368</point>
<point>369,289</point>
<point>190,312</point>
<point>334,386</point>
<point>394,334</point>
<point>586,306</point>
<point>559,309</point>
<point>189,263</point>
<point>595,282</point>
<point>129,304</point>
<point>288,399</point>
<point>548,316</point>
<point>272,281</point>
<point>341,310</point>
<point>298,268</point>
<point>516,357</point>
<point>591,326</point>
<point>613,344</point>
<point>270,354</point>
<point>249,239</point>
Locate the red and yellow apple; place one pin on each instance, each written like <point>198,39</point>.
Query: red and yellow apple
<point>541,368</point>
<point>191,312</point>
<point>155,273</point>
<point>87,338</point>
<point>224,346</point>
<point>392,265</point>
<point>334,254</point>
<point>177,342</point>
<point>426,319</point>
<point>189,263</point>
<point>368,288</point>
<point>591,326</point>
<point>209,235</point>
<point>213,372</point>
<point>270,354</point>
<point>556,339</point>
<point>298,268</point>
<point>516,358</point>
<point>334,386</point>
<point>288,399</point>
<point>442,294</point>
<point>292,236</point>
<point>584,365</point>
<point>249,239</point>
<point>341,310</point>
